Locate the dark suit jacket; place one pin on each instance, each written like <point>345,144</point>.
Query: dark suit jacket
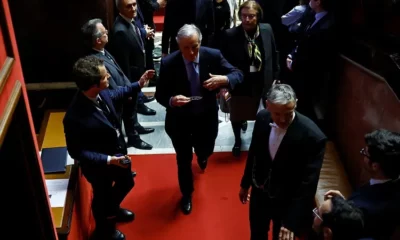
<point>176,15</point>
<point>315,47</point>
<point>118,78</point>
<point>89,135</point>
<point>234,47</point>
<point>148,7</point>
<point>380,204</point>
<point>125,47</point>
<point>173,80</point>
<point>294,171</point>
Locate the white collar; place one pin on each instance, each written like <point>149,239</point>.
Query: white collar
<point>378,181</point>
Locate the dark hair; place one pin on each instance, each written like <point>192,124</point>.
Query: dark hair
<point>304,2</point>
<point>86,72</point>
<point>251,4</point>
<point>90,32</point>
<point>345,220</point>
<point>326,5</point>
<point>384,148</point>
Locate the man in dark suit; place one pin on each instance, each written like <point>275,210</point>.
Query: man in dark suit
<point>127,46</point>
<point>283,166</point>
<point>379,199</point>
<point>94,139</point>
<point>96,38</point>
<point>312,59</point>
<point>180,12</point>
<point>187,88</point>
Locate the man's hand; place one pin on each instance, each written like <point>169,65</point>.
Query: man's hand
<point>162,3</point>
<point>289,63</point>
<point>244,195</point>
<point>149,32</point>
<point>179,101</point>
<point>146,77</point>
<point>116,161</point>
<point>332,193</point>
<point>286,234</point>
<point>215,81</point>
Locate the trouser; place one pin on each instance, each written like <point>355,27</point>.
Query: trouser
<point>262,210</point>
<point>130,119</point>
<point>109,190</point>
<point>198,132</point>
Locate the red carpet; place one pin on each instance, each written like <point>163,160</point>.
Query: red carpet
<point>217,213</point>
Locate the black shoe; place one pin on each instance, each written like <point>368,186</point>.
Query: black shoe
<point>140,144</point>
<point>244,126</point>
<point>102,235</point>
<point>202,163</point>
<point>143,130</point>
<point>148,99</point>
<point>143,109</point>
<point>186,205</point>
<point>124,215</point>
<point>134,174</point>
<point>236,149</point>
<point>117,235</point>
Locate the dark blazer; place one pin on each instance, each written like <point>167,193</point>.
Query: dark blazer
<point>315,47</point>
<point>177,14</point>
<point>294,172</point>
<point>89,135</point>
<point>234,48</point>
<point>173,79</point>
<point>125,47</point>
<point>380,204</point>
<point>148,7</point>
<point>118,78</point>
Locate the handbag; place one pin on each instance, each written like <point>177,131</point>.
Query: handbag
<point>224,100</point>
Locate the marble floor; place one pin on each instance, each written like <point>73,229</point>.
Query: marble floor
<point>163,145</point>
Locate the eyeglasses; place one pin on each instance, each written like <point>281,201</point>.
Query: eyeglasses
<point>364,152</point>
<point>316,213</point>
<point>250,16</point>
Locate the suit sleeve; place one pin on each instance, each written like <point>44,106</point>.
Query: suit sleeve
<point>306,191</point>
<point>163,91</point>
<point>124,92</point>
<point>75,145</point>
<point>210,19</point>
<point>247,175</point>
<point>234,75</point>
<point>120,39</point>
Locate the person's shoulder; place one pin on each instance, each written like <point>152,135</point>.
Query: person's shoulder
<point>171,58</point>
<point>265,27</point>
<point>263,115</point>
<point>310,127</point>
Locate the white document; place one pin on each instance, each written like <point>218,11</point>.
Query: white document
<point>57,190</point>
<point>70,161</point>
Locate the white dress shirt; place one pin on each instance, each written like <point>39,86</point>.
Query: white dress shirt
<point>318,17</point>
<point>275,138</point>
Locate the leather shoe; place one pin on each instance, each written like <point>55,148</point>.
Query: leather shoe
<point>113,235</point>
<point>134,174</point>
<point>118,235</point>
<point>186,205</point>
<point>140,144</point>
<point>236,151</point>
<point>143,109</point>
<point>124,215</point>
<point>143,130</point>
<point>244,126</point>
<point>148,99</point>
<point>202,163</point>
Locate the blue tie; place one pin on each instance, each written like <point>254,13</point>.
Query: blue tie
<point>195,87</point>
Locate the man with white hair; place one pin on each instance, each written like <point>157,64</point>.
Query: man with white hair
<point>187,87</point>
<point>282,169</point>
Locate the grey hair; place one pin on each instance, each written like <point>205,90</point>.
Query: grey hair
<point>90,31</point>
<point>281,94</point>
<point>188,30</point>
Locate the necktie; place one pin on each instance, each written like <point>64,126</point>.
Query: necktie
<point>138,35</point>
<point>103,106</point>
<point>195,86</point>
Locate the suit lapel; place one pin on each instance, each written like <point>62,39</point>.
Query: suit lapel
<point>107,100</point>
<point>131,32</point>
<point>290,135</point>
<point>92,108</point>
<point>113,62</point>
<point>203,66</point>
